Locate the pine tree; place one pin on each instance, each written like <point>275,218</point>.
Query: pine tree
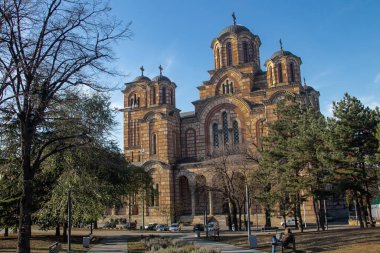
<point>353,138</point>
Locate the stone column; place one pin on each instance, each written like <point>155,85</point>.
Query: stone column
<point>210,203</point>
<point>192,202</point>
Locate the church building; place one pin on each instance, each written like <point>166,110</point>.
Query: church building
<point>234,106</point>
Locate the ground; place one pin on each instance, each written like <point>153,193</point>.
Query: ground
<point>338,240</point>
<point>342,240</point>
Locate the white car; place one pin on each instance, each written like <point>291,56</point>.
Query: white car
<point>175,227</point>
<point>291,222</point>
<point>211,226</point>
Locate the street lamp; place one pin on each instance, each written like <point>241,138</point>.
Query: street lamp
<point>69,221</point>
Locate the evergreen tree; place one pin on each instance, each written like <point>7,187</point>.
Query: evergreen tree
<point>353,138</point>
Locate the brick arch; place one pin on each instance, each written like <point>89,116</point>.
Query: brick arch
<point>152,115</point>
<point>278,94</point>
<point>236,105</point>
<point>222,73</point>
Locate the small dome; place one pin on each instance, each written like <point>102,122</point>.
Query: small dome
<point>282,53</point>
<point>141,78</point>
<point>234,29</point>
<point>161,78</point>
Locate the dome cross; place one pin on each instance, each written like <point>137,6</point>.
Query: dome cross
<point>234,17</point>
<point>142,70</point>
<point>160,68</point>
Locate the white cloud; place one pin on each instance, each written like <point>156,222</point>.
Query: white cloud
<point>370,101</point>
<point>377,78</point>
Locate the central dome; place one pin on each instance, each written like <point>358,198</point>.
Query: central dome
<point>234,29</point>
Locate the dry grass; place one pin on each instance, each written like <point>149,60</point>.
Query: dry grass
<point>41,243</point>
<point>337,241</point>
<point>135,245</point>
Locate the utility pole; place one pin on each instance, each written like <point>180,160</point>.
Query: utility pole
<point>69,222</point>
<point>248,212</point>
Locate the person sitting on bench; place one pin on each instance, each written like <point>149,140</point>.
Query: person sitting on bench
<point>284,241</point>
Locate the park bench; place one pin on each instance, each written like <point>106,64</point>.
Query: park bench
<point>266,229</point>
<point>55,248</point>
<point>276,242</point>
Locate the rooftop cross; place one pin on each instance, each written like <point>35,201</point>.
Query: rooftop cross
<point>142,70</point>
<point>160,68</point>
<point>304,80</point>
<point>281,44</point>
<point>234,17</point>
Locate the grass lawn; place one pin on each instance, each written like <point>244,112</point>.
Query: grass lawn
<point>337,241</point>
<point>41,242</point>
<point>135,245</point>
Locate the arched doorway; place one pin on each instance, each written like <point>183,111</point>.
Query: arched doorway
<point>201,198</point>
<point>184,196</point>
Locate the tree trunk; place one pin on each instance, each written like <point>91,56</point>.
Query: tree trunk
<point>96,224</point>
<point>25,219</point>
<point>6,231</point>
<point>322,221</point>
<point>316,214</point>
<point>358,210</point>
<point>268,222</point>
<point>64,235</point>
<point>368,200</point>
<point>363,211</point>
<point>24,232</point>
<point>57,230</point>
<point>240,223</point>
<point>299,211</point>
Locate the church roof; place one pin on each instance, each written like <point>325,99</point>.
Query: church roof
<point>161,78</point>
<point>283,53</point>
<point>141,78</point>
<point>234,29</point>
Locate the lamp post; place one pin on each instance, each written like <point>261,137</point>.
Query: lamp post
<point>69,221</point>
<point>248,212</point>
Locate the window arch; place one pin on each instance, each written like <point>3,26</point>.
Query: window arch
<point>235,126</point>
<point>154,144</point>
<point>225,128</point>
<point>215,135</point>
<point>227,87</point>
<point>279,70</point>
<point>217,60</point>
<point>291,72</point>
<point>270,75</point>
<point>154,95</point>
<point>229,54</point>
<point>171,97</point>
<point>245,52</point>
<point>163,91</point>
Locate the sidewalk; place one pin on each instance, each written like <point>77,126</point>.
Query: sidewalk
<point>117,244</point>
<point>217,245</point>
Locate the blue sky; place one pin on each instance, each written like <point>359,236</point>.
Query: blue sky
<point>337,40</point>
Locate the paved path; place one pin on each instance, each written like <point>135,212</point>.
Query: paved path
<point>117,244</point>
<point>224,248</point>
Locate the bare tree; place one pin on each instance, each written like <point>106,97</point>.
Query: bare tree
<point>48,47</point>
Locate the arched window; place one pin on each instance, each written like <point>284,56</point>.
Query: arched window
<point>270,75</point>
<point>157,194</point>
<point>291,72</point>
<point>279,70</point>
<point>235,126</point>
<point>154,95</point>
<point>215,135</point>
<point>229,54</point>
<point>245,52</point>
<point>217,60</point>
<point>154,144</point>
<point>163,95</point>
<point>225,127</point>
<point>171,97</point>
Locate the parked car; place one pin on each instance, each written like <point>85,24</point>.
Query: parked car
<point>162,227</point>
<point>175,227</point>
<point>110,224</point>
<point>291,222</point>
<point>212,226</point>
<point>198,227</point>
<point>150,226</point>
